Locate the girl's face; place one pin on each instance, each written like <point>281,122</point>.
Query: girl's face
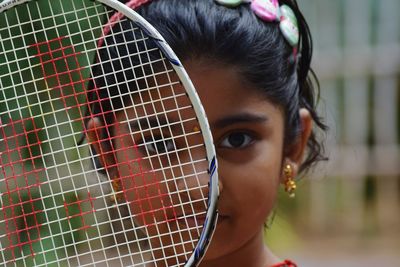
<point>248,133</point>
<point>248,136</point>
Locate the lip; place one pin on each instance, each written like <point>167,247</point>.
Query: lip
<point>193,221</point>
<point>221,218</point>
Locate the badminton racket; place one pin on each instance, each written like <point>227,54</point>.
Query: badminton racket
<point>106,155</point>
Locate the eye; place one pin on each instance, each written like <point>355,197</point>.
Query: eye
<point>237,140</point>
<point>159,145</point>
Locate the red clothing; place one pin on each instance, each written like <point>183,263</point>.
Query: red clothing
<point>286,263</point>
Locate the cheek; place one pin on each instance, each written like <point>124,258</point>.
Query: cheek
<point>140,185</point>
<point>259,186</point>
<point>248,197</point>
<point>255,181</point>
<point>157,190</point>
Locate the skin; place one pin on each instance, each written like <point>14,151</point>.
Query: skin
<point>248,135</point>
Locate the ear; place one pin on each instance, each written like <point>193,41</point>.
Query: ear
<point>101,145</point>
<point>294,156</point>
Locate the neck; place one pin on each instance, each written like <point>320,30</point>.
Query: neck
<point>254,253</point>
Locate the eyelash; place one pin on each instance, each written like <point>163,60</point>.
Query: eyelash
<point>150,144</point>
<point>249,139</point>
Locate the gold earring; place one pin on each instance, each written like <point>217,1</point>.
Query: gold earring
<point>290,184</point>
<point>117,195</point>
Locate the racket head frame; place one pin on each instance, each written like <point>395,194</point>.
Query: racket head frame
<point>213,193</point>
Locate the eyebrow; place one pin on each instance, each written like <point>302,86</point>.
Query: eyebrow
<point>152,122</point>
<point>240,118</point>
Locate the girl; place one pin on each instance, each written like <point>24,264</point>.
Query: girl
<point>250,64</point>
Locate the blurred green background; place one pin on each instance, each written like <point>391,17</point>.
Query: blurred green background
<point>347,211</point>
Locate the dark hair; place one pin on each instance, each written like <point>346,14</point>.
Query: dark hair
<point>233,37</point>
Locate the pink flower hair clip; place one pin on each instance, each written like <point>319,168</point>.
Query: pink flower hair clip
<point>270,11</point>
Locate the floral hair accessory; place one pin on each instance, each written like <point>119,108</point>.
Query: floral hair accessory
<point>270,11</point>
<point>267,10</point>
<point>288,25</point>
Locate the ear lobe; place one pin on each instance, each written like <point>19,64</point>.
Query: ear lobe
<point>298,148</point>
<point>102,146</point>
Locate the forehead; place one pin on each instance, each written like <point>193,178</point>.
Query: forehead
<point>223,92</point>
<point>221,89</point>
<point>161,100</point>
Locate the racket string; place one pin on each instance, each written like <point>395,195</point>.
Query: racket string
<point>54,102</point>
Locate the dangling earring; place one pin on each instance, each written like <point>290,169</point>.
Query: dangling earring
<point>290,184</point>
<point>117,195</point>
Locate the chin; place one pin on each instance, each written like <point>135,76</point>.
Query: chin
<point>221,244</point>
